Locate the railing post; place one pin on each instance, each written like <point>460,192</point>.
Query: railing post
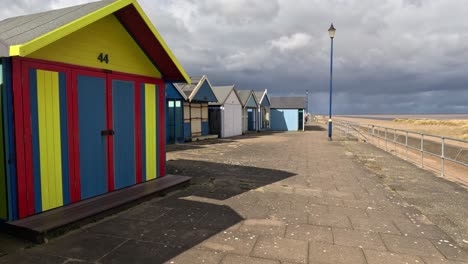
<point>386,149</point>
<point>442,160</point>
<point>378,137</point>
<point>406,145</point>
<point>422,150</point>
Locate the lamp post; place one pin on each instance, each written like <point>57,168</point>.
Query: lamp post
<point>331,32</point>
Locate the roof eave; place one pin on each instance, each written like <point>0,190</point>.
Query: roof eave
<point>161,40</point>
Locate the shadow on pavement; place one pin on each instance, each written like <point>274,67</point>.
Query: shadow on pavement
<point>181,147</point>
<point>314,128</point>
<point>163,228</point>
<point>222,181</point>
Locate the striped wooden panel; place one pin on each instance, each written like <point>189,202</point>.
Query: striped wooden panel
<point>48,110</point>
<point>150,132</point>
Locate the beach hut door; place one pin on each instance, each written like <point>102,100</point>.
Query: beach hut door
<point>91,95</point>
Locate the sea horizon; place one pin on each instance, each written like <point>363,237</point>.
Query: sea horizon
<point>409,116</point>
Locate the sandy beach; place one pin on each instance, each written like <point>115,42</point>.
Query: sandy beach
<point>455,126</point>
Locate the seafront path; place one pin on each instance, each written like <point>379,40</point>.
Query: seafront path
<point>279,198</point>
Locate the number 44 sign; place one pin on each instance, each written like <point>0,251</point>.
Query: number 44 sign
<point>103,58</point>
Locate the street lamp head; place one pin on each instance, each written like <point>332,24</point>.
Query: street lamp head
<point>331,31</point>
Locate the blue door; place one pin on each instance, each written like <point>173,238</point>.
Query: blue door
<point>123,109</point>
<point>179,121</point>
<point>91,91</point>
<point>174,121</point>
<point>251,119</point>
<point>171,122</point>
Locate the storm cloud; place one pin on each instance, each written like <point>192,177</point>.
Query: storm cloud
<point>390,56</point>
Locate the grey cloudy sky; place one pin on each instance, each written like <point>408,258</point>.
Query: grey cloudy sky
<point>391,56</point>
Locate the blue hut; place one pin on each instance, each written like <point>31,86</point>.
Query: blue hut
<point>175,99</point>
<point>198,94</point>
<point>287,113</point>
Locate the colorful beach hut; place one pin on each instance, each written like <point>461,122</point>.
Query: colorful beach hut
<point>175,99</point>
<point>226,114</point>
<point>263,109</point>
<point>83,104</point>
<point>287,113</point>
<point>198,93</point>
<point>249,110</point>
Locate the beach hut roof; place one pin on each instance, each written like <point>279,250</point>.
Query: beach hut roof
<point>222,93</point>
<point>197,84</point>
<point>261,96</point>
<point>244,96</point>
<point>288,102</point>
<point>23,35</point>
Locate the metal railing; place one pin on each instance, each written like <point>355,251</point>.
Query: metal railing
<point>428,151</point>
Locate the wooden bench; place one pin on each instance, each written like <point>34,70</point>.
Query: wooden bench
<point>54,222</point>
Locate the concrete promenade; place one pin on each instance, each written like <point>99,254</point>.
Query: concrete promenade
<point>279,198</point>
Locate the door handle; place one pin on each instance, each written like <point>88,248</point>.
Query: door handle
<point>109,132</point>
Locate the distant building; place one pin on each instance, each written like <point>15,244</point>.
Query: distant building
<point>287,113</point>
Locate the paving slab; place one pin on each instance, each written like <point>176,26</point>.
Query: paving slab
<point>330,220</point>
<point>236,259</point>
<point>441,261</point>
<point>355,238</point>
<point>374,225</point>
<point>28,258</point>
<point>234,242</point>
<point>339,194</point>
<point>388,214</point>
<point>308,192</point>
<point>145,213</point>
<point>85,246</point>
<point>450,249</point>
<point>382,257</point>
<point>335,254</point>
<point>310,233</point>
<point>283,249</point>
<point>421,230</point>
<point>411,246</point>
<point>197,256</point>
<point>326,201</point>
<point>268,227</point>
<point>133,251</point>
<point>337,210</point>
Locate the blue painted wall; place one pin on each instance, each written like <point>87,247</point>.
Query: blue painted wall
<point>172,92</point>
<point>205,94</point>
<point>9,139</point>
<point>187,130</point>
<point>284,119</point>
<point>205,128</point>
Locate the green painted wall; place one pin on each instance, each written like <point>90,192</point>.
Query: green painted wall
<point>3,200</point>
